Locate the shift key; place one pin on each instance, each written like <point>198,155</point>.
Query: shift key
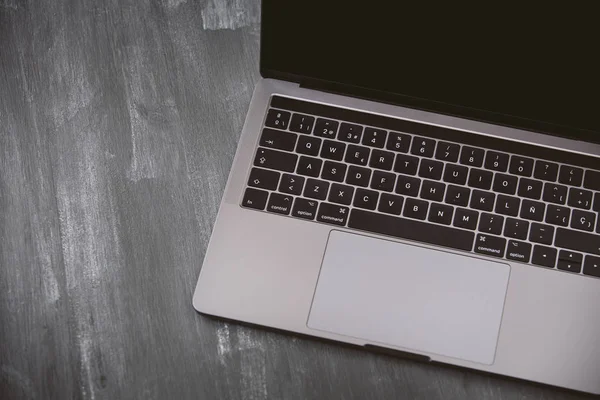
<point>273,159</point>
<point>578,241</point>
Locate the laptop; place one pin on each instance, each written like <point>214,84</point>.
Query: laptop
<point>421,183</point>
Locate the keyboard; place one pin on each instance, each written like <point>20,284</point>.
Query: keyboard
<point>434,185</point>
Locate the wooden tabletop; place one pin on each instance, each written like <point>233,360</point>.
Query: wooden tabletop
<point>119,120</point>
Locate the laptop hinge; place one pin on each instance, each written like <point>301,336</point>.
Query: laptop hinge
<point>430,106</point>
<point>343,90</point>
<point>370,94</point>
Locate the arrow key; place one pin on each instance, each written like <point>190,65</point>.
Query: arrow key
<point>544,256</point>
<point>569,266</point>
<point>592,266</point>
<point>567,255</point>
<point>291,184</point>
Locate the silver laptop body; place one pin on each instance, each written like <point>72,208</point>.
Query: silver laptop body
<point>465,308</point>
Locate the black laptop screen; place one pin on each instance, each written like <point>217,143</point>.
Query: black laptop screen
<point>535,71</point>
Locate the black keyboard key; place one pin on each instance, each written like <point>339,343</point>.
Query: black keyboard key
<point>357,154</point>
<point>518,251</point>
<point>254,198</point>
<point>530,189</point>
<point>274,159</point>
<point>333,171</point>
<point>591,266</point>
<point>457,195</point>
<point>506,184</point>
<point>583,220</point>
<point>366,199</point>
<point>440,213</point>
<point>280,203</point>
<point>374,137</point>
<point>383,181</point>
<point>570,256</point>
<point>333,150</point>
<point>341,194</point>
<point>540,233</point>
<point>431,190</point>
<point>596,206</point>
<point>447,152</point>
<point>316,189</point>
<point>399,142</point>
<point>309,166</point>
<point>456,174</point>
<point>308,145</point>
<point>483,201</point>
<point>546,171</point>
<point>521,166</point>
<point>491,223</point>
<point>533,210</point>
<point>556,194</point>
<point>516,228</point>
<point>423,147</point>
<point>333,214</point>
<point>431,169</point>
<point>577,241</point>
<point>277,119</point>
<point>569,266</point>
<point>496,161</point>
<point>305,208</point>
<point>326,128</point>
<point>302,123</point>
<point>291,184</point>
<point>416,209</point>
<point>465,218</point>
<point>263,179</point>
<point>507,205</point>
<point>350,133</point>
<point>558,215</point>
<point>407,185</point>
<point>544,256</point>
<point>358,176</point>
<point>490,245</point>
<point>580,198</point>
<point>381,159</point>
<point>472,156</point>
<point>570,175</point>
<point>278,139</point>
<point>592,180</point>
<point>480,179</point>
<point>391,204</point>
<point>411,230</point>
<point>406,164</point>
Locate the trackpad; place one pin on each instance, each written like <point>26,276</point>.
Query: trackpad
<point>410,297</point>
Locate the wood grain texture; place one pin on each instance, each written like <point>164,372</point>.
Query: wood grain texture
<point>119,120</point>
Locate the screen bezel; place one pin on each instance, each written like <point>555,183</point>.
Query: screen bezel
<point>424,104</point>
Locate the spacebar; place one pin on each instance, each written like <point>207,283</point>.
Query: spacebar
<point>411,230</point>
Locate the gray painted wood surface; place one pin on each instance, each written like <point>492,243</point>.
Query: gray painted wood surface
<point>118,123</point>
